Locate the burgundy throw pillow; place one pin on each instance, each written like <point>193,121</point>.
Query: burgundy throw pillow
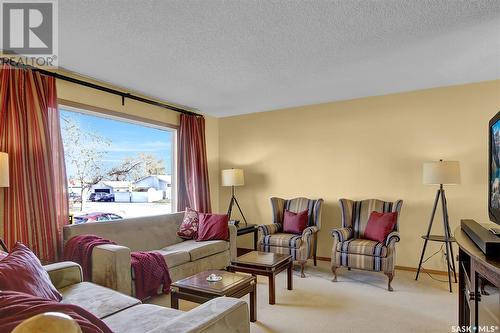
<point>212,227</point>
<point>22,271</point>
<point>295,223</point>
<point>189,225</point>
<point>380,225</point>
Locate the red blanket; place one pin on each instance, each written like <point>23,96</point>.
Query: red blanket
<point>17,307</point>
<point>79,249</point>
<point>151,272</point>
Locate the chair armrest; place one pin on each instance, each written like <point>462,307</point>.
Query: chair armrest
<point>269,229</point>
<point>393,237</point>
<point>65,273</point>
<point>233,233</point>
<point>342,234</point>
<point>111,267</point>
<point>219,315</point>
<point>309,231</point>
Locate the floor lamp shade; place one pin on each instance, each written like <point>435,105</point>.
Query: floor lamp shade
<point>4,170</point>
<point>233,177</point>
<point>441,172</point>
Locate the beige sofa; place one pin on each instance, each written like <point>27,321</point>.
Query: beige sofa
<point>111,263</point>
<point>125,314</point>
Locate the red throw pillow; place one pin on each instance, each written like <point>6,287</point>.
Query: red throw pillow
<point>380,225</point>
<point>22,271</point>
<point>295,223</point>
<point>212,227</point>
<point>189,226</point>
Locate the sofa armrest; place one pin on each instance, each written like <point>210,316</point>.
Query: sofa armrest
<point>111,267</point>
<point>65,273</point>
<point>219,315</point>
<point>269,229</point>
<point>393,237</point>
<point>342,234</point>
<point>233,233</point>
<point>309,231</point>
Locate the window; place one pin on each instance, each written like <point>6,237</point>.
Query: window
<point>116,168</point>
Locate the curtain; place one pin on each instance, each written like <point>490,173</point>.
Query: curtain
<point>36,203</point>
<point>194,189</point>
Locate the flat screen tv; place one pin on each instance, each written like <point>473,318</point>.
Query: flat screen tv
<point>494,169</point>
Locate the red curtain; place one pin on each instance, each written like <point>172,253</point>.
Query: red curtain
<point>36,203</point>
<point>194,189</point>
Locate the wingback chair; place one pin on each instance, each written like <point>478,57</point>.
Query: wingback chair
<point>352,251</point>
<point>300,247</point>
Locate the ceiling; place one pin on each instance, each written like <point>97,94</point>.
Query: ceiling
<point>241,56</point>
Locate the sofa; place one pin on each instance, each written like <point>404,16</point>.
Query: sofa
<point>125,314</point>
<point>111,264</point>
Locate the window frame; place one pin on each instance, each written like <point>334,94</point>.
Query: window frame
<point>132,119</point>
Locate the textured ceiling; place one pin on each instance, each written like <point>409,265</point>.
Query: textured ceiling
<point>241,56</point>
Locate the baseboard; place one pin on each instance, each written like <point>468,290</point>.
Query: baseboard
<point>403,268</point>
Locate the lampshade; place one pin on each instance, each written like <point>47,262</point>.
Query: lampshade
<point>233,177</point>
<point>4,170</point>
<point>441,172</point>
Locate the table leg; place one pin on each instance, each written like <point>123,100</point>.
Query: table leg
<point>289,274</point>
<point>255,239</point>
<point>174,300</point>
<point>272,289</point>
<point>253,303</point>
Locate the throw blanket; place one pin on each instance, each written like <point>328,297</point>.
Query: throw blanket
<point>79,249</point>
<point>151,273</point>
<point>17,307</point>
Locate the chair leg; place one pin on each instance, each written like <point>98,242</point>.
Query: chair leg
<point>315,248</point>
<point>334,271</point>
<point>302,264</point>
<point>390,276</point>
<point>348,268</point>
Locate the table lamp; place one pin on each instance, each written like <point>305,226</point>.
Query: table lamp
<point>233,177</point>
<point>441,173</point>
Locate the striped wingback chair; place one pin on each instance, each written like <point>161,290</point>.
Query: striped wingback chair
<point>300,247</point>
<point>352,251</point>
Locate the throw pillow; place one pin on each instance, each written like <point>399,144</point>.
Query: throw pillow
<point>212,227</point>
<point>22,271</point>
<point>380,225</point>
<point>189,225</point>
<point>295,223</point>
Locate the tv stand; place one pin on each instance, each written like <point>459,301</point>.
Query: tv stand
<point>475,271</point>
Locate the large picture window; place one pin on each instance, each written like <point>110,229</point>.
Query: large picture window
<point>116,168</point>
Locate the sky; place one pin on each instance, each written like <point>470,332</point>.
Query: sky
<point>127,139</point>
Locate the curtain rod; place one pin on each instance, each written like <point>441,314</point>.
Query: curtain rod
<point>99,87</point>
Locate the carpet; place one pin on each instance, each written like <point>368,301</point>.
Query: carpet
<point>357,302</point>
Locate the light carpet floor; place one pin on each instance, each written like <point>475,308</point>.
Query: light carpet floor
<point>357,302</point>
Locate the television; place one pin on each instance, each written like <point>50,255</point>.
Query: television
<point>494,169</point>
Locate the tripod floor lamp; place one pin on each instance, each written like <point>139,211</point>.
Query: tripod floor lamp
<point>233,177</point>
<point>441,173</point>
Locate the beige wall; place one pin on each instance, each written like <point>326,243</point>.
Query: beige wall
<point>80,94</point>
<point>366,148</point>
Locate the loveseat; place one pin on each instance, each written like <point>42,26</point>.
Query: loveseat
<point>125,314</point>
<point>111,264</point>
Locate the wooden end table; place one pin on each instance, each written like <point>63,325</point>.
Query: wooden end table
<point>266,264</point>
<point>197,289</point>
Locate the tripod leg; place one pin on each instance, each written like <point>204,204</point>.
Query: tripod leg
<point>229,211</point>
<point>447,241</point>
<point>428,233</point>
<point>237,204</point>
<point>448,232</point>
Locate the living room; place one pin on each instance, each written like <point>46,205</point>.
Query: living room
<point>239,166</point>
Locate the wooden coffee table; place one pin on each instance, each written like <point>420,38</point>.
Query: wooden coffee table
<point>266,264</point>
<point>197,289</point>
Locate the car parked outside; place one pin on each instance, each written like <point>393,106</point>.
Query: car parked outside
<point>96,217</point>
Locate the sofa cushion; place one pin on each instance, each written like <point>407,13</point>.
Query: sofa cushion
<point>363,246</point>
<point>99,301</point>
<point>283,240</point>
<point>198,250</point>
<point>174,257</point>
<point>141,318</point>
<point>189,225</point>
